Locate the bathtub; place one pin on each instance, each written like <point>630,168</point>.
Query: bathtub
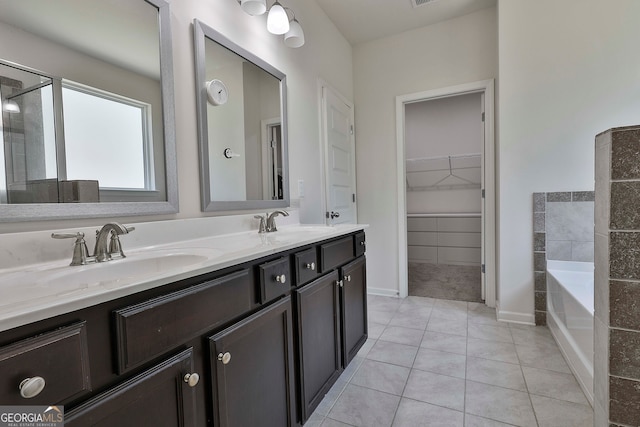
<point>570,316</point>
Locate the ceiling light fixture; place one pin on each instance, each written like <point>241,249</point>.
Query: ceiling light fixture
<point>254,7</point>
<point>295,36</point>
<point>278,21</point>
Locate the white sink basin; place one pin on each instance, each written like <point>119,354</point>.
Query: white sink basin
<point>62,280</point>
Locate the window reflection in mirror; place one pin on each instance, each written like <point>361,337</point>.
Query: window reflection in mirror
<point>94,133</point>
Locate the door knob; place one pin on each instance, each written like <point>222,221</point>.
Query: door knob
<point>31,387</point>
<point>192,379</point>
<point>281,278</point>
<point>224,358</point>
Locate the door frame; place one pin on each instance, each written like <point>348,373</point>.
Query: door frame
<point>324,147</point>
<point>485,87</point>
<point>265,128</point>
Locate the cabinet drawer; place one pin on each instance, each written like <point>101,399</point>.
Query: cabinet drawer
<point>468,225</point>
<point>460,240</point>
<point>275,279</point>
<point>459,256</point>
<point>427,254</point>
<point>360,244</point>
<point>60,357</point>
<point>151,328</point>
<point>421,224</point>
<point>336,253</point>
<point>422,238</point>
<point>306,266</point>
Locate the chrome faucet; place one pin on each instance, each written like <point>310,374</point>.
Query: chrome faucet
<point>271,220</point>
<point>102,251</point>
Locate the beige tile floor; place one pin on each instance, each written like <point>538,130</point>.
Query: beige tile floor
<point>431,362</point>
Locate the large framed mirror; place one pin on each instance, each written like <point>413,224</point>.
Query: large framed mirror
<point>87,122</point>
<point>242,126</point>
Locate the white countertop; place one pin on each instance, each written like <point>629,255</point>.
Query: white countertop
<point>34,292</point>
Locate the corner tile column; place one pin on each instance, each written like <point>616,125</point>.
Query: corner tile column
<point>540,257</point>
<point>617,278</point>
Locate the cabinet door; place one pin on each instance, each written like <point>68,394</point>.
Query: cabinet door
<point>319,339</point>
<point>252,370</point>
<point>354,308</point>
<point>159,396</point>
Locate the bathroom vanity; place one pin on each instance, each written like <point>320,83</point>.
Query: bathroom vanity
<point>254,332</point>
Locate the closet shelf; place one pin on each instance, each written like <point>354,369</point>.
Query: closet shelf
<point>444,173</point>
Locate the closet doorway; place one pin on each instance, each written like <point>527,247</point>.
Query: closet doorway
<point>446,214</point>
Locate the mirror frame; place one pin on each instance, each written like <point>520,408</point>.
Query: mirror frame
<point>57,211</point>
<point>200,32</point>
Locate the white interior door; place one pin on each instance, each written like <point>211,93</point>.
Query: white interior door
<point>339,159</point>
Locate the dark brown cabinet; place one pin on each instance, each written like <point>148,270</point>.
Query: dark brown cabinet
<point>354,308</point>
<point>259,343</point>
<point>252,370</point>
<point>318,310</point>
<point>160,396</point>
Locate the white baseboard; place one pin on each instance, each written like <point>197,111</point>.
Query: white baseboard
<point>514,317</point>
<point>383,292</point>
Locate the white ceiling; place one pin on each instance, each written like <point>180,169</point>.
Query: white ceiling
<point>364,20</point>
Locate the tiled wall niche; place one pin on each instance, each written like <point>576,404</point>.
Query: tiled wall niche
<point>562,230</point>
<point>617,278</point>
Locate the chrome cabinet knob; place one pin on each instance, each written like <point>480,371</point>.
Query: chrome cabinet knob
<point>339,283</point>
<point>347,277</point>
<point>281,278</point>
<point>224,358</point>
<point>311,266</point>
<point>192,379</point>
<point>363,243</point>
<point>31,387</point>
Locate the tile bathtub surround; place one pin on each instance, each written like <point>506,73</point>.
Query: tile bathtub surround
<point>617,278</point>
<point>569,226</point>
<point>488,374</point>
<point>563,229</point>
<point>539,254</point>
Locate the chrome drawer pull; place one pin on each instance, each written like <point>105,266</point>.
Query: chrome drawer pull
<point>281,278</point>
<point>347,278</point>
<point>224,358</point>
<point>31,387</point>
<point>363,243</point>
<point>311,266</point>
<point>192,379</point>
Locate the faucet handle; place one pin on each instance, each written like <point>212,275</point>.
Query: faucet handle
<point>262,228</point>
<point>80,251</point>
<point>115,247</point>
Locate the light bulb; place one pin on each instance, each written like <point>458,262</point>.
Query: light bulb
<point>277,21</point>
<point>11,106</point>
<point>254,7</point>
<point>295,35</point>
